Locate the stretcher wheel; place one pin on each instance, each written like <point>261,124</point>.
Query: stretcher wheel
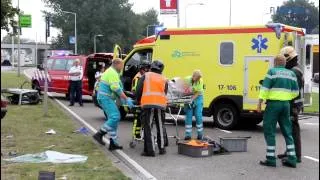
<point>132,144</point>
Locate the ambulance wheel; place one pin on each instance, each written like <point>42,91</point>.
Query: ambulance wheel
<point>225,116</point>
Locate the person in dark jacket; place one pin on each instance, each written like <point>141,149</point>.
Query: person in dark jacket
<point>151,95</point>
<point>296,105</point>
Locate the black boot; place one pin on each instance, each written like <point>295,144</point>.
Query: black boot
<point>281,156</point>
<point>113,145</point>
<point>162,151</point>
<point>98,137</point>
<point>151,154</point>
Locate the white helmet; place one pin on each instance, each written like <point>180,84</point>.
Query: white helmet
<point>288,52</point>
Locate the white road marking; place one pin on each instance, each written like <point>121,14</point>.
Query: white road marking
<point>120,152</point>
<point>311,123</point>
<point>224,130</point>
<point>311,158</point>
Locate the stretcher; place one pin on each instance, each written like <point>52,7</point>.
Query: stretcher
<point>173,103</point>
<point>177,103</point>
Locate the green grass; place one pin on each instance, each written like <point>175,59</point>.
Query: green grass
<point>27,125</point>
<point>315,104</point>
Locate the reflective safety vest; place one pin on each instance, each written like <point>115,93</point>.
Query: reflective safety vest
<point>110,84</point>
<point>279,84</point>
<point>135,81</point>
<point>154,91</point>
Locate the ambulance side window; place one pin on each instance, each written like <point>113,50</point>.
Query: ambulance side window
<point>226,53</point>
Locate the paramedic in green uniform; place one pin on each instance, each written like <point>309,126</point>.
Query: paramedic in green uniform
<point>195,108</point>
<point>278,89</point>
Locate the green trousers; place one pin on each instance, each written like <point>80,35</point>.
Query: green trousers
<point>278,111</point>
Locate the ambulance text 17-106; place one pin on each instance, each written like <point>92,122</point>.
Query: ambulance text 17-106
<point>227,87</point>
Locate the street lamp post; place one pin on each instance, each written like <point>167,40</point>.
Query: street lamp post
<point>19,32</point>
<point>75,29</point>
<point>94,42</point>
<point>185,11</point>
<point>230,13</point>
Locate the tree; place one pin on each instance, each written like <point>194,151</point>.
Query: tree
<point>7,14</point>
<point>299,13</point>
<point>112,18</point>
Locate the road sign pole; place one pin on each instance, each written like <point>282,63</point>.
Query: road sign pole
<point>75,33</point>
<point>45,101</point>
<point>12,50</point>
<point>19,31</point>
<point>178,14</point>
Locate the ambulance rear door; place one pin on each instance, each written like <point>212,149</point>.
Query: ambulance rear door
<point>255,69</point>
<point>299,45</point>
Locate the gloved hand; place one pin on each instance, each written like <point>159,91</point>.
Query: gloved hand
<point>123,102</point>
<point>130,103</point>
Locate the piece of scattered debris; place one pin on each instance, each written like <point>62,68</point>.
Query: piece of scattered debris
<point>82,130</point>
<point>51,131</point>
<point>45,175</point>
<point>64,177</point>
<point>9,136</point>
<point>12,153</point>
<point>49,147</point>
<point>49,156</point>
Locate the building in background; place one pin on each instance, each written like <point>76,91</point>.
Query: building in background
<point>27,54</point>
<point>312,51</point>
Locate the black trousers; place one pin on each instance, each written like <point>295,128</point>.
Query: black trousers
<point>76,91</point>
<point>296,130</point>
<point>148,116</point>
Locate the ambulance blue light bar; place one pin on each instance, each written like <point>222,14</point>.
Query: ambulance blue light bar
<point>159,29</point>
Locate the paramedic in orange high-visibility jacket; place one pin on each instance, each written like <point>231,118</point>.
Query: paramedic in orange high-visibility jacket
<point>151,94</point>
<point>195,108</point>
<point>110,89</point>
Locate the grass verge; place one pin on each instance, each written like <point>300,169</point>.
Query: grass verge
<point>23,131</point>
<point>314,108</point>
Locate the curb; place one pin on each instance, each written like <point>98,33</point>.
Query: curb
<point>311,114</point>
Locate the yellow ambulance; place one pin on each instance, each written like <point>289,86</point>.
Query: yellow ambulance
<point>232,59</point>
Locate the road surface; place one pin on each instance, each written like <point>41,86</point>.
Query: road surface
<point>240,165</point>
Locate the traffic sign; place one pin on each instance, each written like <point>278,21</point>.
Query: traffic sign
<point>25,20</point>
<point>72,40</point>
